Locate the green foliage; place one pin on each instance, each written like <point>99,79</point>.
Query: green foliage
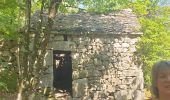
<point>3,86</point>
<point>155,42</point>
<point>69,6</point>
<point>140,7</point>
<point>8,77</point>
<point>99,6</point>
<point>103,6</point>
<point>145,7</point>
<point>35,5</point>
<point>8,80</point>
<point>10,23</point>
<point>9,19</point>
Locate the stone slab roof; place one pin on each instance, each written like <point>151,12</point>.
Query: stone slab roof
<point>118,22</point>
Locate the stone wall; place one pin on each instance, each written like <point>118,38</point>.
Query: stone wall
<point>105,67</point>
<point>8,52</point>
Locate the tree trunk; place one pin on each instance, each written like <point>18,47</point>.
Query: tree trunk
<point>30,60</point>
<point>20,96</point>
<point>24,69</point>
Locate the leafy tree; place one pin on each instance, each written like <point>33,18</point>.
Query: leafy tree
<point>15,25</point>
<point>9,19</point>
<point>30,62</point>
<point>9,27</point>
<point>155,42</point>
<point>99,6</point>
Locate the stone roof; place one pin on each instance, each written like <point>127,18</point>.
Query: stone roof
<point>118,22</point>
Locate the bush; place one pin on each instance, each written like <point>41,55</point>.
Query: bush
<point>8,81</point>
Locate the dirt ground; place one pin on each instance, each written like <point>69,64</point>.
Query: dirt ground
<point>13,96</point>
<point>8,96</point>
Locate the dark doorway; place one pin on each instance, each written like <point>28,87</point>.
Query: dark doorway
<point>62,71</point>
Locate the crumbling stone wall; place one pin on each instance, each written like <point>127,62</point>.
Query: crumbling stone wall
<point>104,58</point>
<point>104,67</point>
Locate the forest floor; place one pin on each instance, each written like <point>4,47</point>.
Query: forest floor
<point>8,96</point>
<point>13,96</point>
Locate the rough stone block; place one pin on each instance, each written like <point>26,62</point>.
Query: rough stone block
<point>80,87</point>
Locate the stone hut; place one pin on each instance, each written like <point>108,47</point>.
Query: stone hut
<point>93,56</point>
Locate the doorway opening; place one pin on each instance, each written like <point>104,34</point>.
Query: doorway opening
<point>62,71</point>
